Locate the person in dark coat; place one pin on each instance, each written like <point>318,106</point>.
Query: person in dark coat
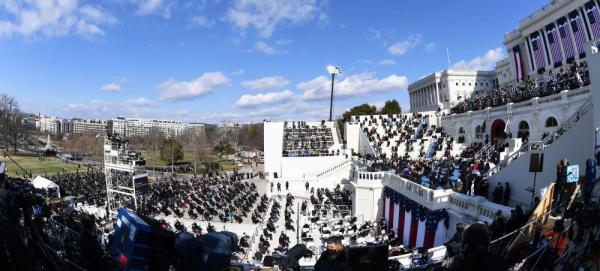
<point>506,195</point>
<point>453,245</point>
<point>475,254</point>
<point>335,258</point>
<point>498,193</point>
<point>90,246</point>
<point>559,184</point>
<point>590,179</point>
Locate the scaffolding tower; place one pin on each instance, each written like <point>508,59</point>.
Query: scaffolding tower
<point>124,172</point>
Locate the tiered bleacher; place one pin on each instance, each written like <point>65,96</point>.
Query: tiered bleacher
<point>405,134</point>
<point>307,139</point>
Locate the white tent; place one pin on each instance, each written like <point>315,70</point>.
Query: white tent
<point>42,183</point>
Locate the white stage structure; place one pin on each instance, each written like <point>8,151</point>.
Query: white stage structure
<point>125,173</point>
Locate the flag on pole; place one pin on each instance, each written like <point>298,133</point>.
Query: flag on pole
<point>565,37</point>
<point>538,51</point>
<point>551,35</point>
<point>593,17</point>
<point>578,32</point>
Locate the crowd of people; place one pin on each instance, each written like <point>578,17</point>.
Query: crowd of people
<point>303,139</point>
<point>208,197</point>
<point>86,187</point>
<point>464,175</point>
<point>555,81</point>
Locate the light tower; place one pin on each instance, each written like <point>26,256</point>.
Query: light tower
<point>124,172</point>
<point>333,70</point>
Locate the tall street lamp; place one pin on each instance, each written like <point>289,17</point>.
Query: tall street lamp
<point>333,70</point>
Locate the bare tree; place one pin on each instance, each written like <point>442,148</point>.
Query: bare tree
<point>154,139</point>
<point>12,129</point>
<point>201,149</point>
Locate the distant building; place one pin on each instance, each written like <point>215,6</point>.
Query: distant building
<point>198,129</point>
<point>141,127</point>
<point>446,88</point>
<point>94,127</point>
<point>49,125</point>
<point>66,126</point>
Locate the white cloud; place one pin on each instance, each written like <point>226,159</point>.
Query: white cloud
<point>148,6</point>
<point>485,62</point>
<point>351,86</point>
<point>51,18</point>
<point>98,15</point>
<point>204,84</point>
<point>115,86</point>
<point>201,21</point>
<point>153,7</point>
<point>239,72</point>
<point>430,46</point>
<point>284,111</point>
<point>265,48</point>
<point>266,83</point>
<point>139,102</point>
<point>136,107</point>
<point>282,42</point>
<point>112,87</point>
<point>386,62</point>
<point>266,15</point>
<point>375,34</point>
<point>264,98</point>
<point>401,47</point>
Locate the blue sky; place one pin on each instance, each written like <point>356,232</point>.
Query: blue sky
<point>239,60</point>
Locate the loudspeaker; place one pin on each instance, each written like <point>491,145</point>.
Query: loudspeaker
<point>368,258</point>
<point>536,162</point>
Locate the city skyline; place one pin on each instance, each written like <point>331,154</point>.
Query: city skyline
<point>238,61</point>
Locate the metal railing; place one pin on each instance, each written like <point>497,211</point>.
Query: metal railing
<point>485,150</point>
<point>546,140</point>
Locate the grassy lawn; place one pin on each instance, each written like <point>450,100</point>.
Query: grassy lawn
<point>51,166</point>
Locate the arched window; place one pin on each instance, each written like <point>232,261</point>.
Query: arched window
<point>551,122</point>
<point>461,130</point>
<point>523,129</point>
<point>478,131</point>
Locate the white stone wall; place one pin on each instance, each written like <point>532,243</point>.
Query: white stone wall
<point>576,145</point>
<point>273,142</point>
<point>535,112</point>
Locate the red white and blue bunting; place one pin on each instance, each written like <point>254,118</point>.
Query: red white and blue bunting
<point>413,223</point>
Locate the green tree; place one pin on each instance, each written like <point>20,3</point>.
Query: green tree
<point>223,148</point>
<point>363,109</point>
<point>391,107</point>
<point>171,150</point>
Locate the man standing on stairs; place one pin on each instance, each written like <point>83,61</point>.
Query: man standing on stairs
<point>561,173</point>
